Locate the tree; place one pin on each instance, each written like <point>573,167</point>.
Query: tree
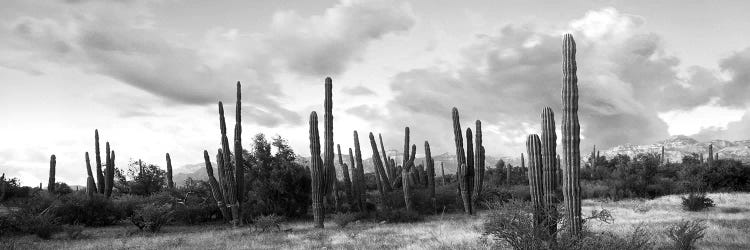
<point>146,179</point>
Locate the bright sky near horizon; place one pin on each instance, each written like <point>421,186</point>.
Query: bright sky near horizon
<point>148,74</point>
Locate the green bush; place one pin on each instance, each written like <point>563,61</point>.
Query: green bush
<point>42,225</point>
<point>96,211</point>
<point>398,216</point>
<point>685,233</point>
<point>191,214</point>
<point>151,217</point>
<point>696,202</point>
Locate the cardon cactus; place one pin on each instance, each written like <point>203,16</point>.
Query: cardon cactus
<point>710,155</point>
<point>107,162</point>
<point>239,161</point>
<point>478,163</point>
<point>406,183</point>
<point>329,168</point>
<point>430,174</point>
<point>51,183</point>
<point>442,170</point>
<point>99,173</point>
<point>571,136</point>
<point>360,172</point>
<point>216,190</point>
<point>536,186</point>
<point>386,162</point>
<point>405,160</point>
<point>549,163</point>
<point>347,179</point>
<point>356,182</point>
<point>661,158</point>
<point>464,172</point>
<point>228,178</point>
<point>317,173</point>
<point>379,169</point>
<point>3,188</point>
<point>109,178</point>
<point>508,172</point>
<point>170,182</point>
<point>469,171</point>
<point>90,184</point>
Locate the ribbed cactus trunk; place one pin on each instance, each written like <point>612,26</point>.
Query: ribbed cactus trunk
<point>317,173</point>
<point>228,177</point>
<point>109,177</point>
<point>239,161</point>
<point>710,155</point>
<point>661,158</point>
<point>464,174</point>
<point>508,173</point>
<point>99,173</point>
<point>549,163</point>
<point>442,170</point>
<point>379,169</point>
<point>387,163</point>
<point>107,162</point>
<point>536,181</point>
<point>430,175</point>
<point>360,172</point>
<point>90,184</point>
<point>479,163</point>
<point>406,184</point>
<point>347,179</point>
<point>468,174</point>
<point>522,161</point>
<point>329,168</point>
<point>216,190</point>
<point>170,182</point>
<point>51,181</point>
<point>571,136</point>
<point>356,183</point>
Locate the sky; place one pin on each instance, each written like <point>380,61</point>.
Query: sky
<point>149,74</point>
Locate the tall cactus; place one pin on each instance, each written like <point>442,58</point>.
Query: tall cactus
<point>109,178</point>
<point>170,182</point>
<point>90,184</point>
<point>3,188</point>
<point>239,161</point>
<point>347,180</point>
<point>99,173</point>
<point>356,182</point>
<point>329,169</point>
<point>468,174</point>
<point>379,169</point>
<point>508,173</point>
<point>710,155</point>
<point>430,174</point>
<point>571,136</point>
<point>661,158</point>
<point>406,184</point>
<point>442,170</point>
<point>462,173</point>
<point>228,178</point>
<point>386,162</point>
<point>51,183</point>
<point>549,161</point>
<point>216,190</point>
<point>360,172</point>
<point>317,173</point>
<point>536,181</point>
<point>479,163</point>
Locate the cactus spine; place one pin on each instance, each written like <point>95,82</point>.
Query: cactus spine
<point>51,183</point>
<point>170,183</point>
<point>536,181</point>
<point>90,184</point>
<point>99,175</point>
<point>347,179</point>
<point>317,173</point>
<point>571,136</point>
<point>549,164</point>
<point>478,162</point>
<point>430,174</point>
<point>216,190</point>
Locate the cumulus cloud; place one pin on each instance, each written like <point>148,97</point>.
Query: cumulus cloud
<point>506,78</point>
<point>358,91</point>
<point>326,44</point>
<point>125,44</point>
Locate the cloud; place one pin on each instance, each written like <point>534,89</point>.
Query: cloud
<point>506,78</point>
<point>326,44</point>
<point>736,91</point>
<point>358,91</point>
<point>366,112</point>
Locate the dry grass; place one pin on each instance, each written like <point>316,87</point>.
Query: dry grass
<point>728,228</point>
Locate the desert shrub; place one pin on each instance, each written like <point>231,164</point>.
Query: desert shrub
<point>696,202</point>
<point>128,203</point>
<point>343,219</point>
<point>42,225</point>
<point>73,231</point>
<point>398,216</point>
<point>638,239</point>
<point>151,217</point>
<point>268,222</point>
<point>96,211</point>
<point>196,213</point>
<point>685,233</point>
<point>594,189</point>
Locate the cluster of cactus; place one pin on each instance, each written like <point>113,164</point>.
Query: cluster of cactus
<point>105,177</point>
<point>228,191</point>
<point>469,164</point>
<point>544,163</point>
